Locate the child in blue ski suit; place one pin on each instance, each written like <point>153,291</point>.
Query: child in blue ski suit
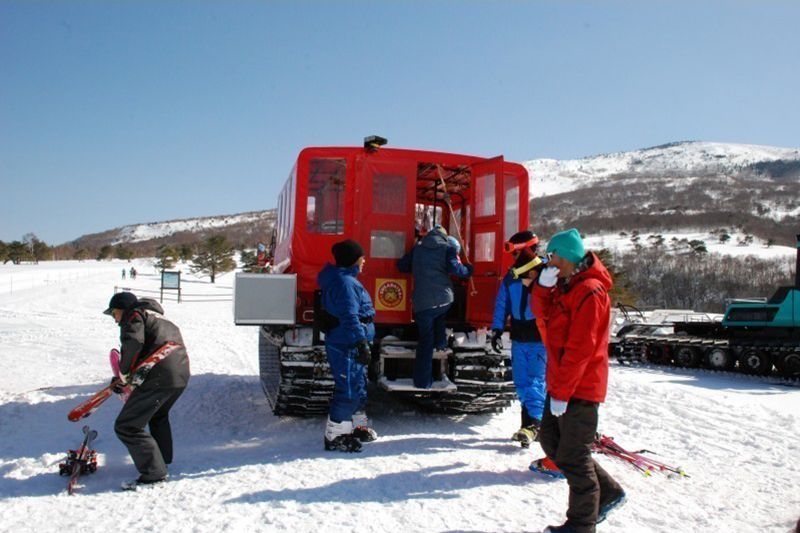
<point>349,315</point>
<point>528,357</point>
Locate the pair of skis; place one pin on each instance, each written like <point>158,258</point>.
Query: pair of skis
<point>603,444</point>
<point>80,461</point>
<point>646,465</point>
<point>138,375</point>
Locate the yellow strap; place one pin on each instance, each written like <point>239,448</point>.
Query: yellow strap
<point>526,267</point>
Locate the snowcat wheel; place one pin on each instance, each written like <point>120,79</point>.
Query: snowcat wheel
<point>755,362</point>
<point>788,364</point>
<point>720,359</point>
<point>687,356</point>
<point>658,354</point>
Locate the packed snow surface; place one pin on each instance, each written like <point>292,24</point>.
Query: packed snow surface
<point>240,468</point>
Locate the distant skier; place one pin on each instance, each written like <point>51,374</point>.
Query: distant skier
<point>348,317</point>
<point>133,273</point>
<point>528,357</point>
<point>123,273</point>
<point>571,298</point>
<point>143,330</point>
<point>432,262</point>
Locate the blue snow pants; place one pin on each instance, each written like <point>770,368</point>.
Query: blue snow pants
<point>529,363</point>
<point>349,382</point>
<point>432,334</point>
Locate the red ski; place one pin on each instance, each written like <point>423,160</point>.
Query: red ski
<point>79,461</point>
<point>138,376</point>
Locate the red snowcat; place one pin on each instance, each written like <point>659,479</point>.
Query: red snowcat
<point>385,198</point>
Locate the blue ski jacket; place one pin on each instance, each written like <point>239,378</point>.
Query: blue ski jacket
<point>432,262</point>
<point>513,299</point>
<point>345,297</point>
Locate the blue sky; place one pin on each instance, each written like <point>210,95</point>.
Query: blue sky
<point>121,112</point>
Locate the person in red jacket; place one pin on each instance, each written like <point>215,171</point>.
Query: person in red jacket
<point>571,300</point>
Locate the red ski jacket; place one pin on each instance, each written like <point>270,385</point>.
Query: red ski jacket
<point>576,316</point>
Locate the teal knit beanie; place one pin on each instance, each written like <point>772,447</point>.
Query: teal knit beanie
<point>567,244</point>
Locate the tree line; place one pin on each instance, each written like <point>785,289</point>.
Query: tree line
<point>651,278</point>
<point>211,256</point>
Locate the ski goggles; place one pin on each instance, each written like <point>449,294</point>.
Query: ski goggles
<point>510,247</point>
<point>530,265</point>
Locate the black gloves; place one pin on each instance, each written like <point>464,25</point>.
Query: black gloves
<point>364,356</point>
<point>497,340</point>
<point>117,387</point>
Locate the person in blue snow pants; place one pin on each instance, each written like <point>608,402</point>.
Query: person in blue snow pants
<point>528,356</point>
<point>348,315</point>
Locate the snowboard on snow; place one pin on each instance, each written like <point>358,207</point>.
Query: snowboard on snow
<point>138,375</point>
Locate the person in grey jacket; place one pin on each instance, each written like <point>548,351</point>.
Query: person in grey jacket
<point>431,262</point>
<point>143,330</point>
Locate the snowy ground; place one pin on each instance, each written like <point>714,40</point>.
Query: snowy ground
<point>239,468</point>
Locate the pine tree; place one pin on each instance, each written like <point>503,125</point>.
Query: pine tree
<point>3,252</point>
<point>621,290</point>
<point>249,261</point>
<point>41,251</point>
<point>123,253</point>
<point>186,252</point>
<point>18,252</point>
<point>214,257</point>
<point>166,257</point>
<point>105,252</point>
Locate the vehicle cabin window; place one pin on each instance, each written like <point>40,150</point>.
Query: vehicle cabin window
<point>485,200</point>
<point>325,209</point>
<point>425,216</point>
<point>511,220</point>
<point>387,244</point>
<point>389,194</point>
<point>484,247</point>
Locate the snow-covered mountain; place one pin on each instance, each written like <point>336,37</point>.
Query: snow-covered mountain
<point>704,188</point>
<point>249,227</point>
<point>690,159</point>
<point>156,230</point>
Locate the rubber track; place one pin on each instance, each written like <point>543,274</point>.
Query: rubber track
<point>631,349</point>
<point>298,381</point>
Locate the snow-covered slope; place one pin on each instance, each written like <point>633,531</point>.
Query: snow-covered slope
<point>686,190</point>
<point>681,159</point>
<point>239,468</point>
<point>156,230</point>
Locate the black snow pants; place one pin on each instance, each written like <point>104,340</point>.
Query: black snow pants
<point>151,452</point>
<point>567,440</point>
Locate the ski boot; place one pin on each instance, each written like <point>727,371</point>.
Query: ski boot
<point>546,467</point>
<point>528,431</point>
<point>134,484</point>
<point>527,435</point>
<point>361,429</point>
<point>564,528</point>
<point>339,437</point>
<point>606,508</point>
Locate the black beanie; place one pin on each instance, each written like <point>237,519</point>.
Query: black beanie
<point>347,252</point>
<point>121,300</point>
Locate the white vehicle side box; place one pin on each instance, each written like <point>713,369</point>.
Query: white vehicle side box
<point>264,299</point>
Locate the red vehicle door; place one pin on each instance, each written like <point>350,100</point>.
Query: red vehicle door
<point>385,190</point>
<point>486,238</point>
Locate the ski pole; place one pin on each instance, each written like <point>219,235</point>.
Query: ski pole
<point>446,197</point>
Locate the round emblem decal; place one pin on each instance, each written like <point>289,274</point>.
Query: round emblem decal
<point>390,294</point>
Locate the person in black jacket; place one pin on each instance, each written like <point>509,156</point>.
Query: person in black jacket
<point>143,330</point>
